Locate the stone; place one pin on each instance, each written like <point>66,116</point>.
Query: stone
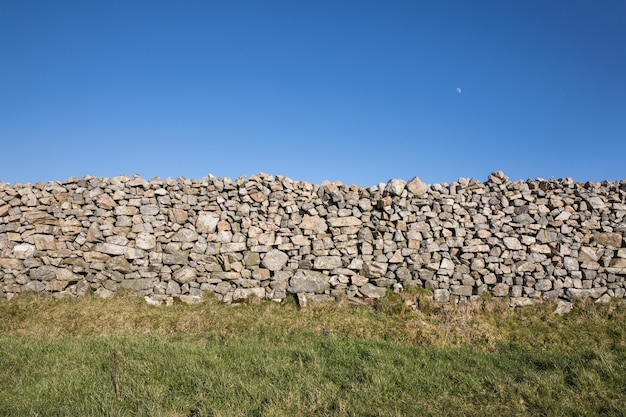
<point>375,269</point>
<point>596,203</point>
<point>242,294</point>
<point>275,260</point>
<point>416,187</point>
<point>441,296</point>
<point>500,290</point>
<point>608,239</point>
<point>308,282</point>
<point>348,221</point>
<point>327,262</point>
<point>24,251</point>
<point>149,210</point>
<point>207,222</point>
<point>372,291</point>
<point>118,263</point>
<point>138,284</point>
<point>315,224</point>
<point>184,275</point>
<point>111,249</point>
<point>43,273</point>
<point>44,242</point>
<point>563,307</point>
<point>512,243</point>
<point>464,290</point>
<point>395,187</point>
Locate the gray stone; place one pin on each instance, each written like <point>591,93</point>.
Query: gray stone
<point>185,275</point>
<point>327,262</point>
<point>395,187</point>
<point>275,260</point>
<point>464,290</point>
<point>372,291</point>
<point>563,307</point>
<point>441,296</point>
<point>138,284</point>
<point>512,243</point>
<point>375,269</point>
<point>308,281</point>
<point>43,273</point>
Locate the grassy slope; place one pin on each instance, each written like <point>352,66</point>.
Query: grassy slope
<point>121,357</point>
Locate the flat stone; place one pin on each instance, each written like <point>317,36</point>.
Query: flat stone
<point>138,284</point>
<point>441,296</point>
<point>308,281</point>
<point>327,262</point>
<point>608,239</point>
<point>44,242</point>
<point>347,221</point>
<point>372,291</point>
<point>111,249</point>
<point>43,273</point>
<point>464,290</point>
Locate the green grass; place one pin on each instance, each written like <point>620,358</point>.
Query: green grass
<point>121,357</point>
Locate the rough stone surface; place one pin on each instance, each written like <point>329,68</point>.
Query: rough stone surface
<point>534,240</point>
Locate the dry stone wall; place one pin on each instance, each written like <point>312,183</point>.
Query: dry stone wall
<point>270,236</point>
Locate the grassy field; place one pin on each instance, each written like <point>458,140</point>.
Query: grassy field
<point>121,357</point>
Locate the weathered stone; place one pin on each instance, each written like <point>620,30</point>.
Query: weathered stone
<point>372,291</point>
<point>185,275</point>
<point>111,249</point>
<point>465,290</point>
<point>608,239</point>
<point>145,241</point>
<point>242,294</point>
<point>327,262</point>
<point>315,224</point>
<point>24,251</point>
<point>35,286</point>
<point>43,273</point>
<point>179,257</point>
<point>44,242</point>
<point>512,243</point>
<point>149,210</point>
<point>395,187</point>
<point>500,290</point>
<point>275,260</point>
<point>441,296</point>
<point>375,269</point>
<point>344,221</point>
<point>118,263</point>
<point>309,282</point>
<point>416,187</point>
<point>207,222</point>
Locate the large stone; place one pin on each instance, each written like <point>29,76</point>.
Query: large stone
<point>242,294</point>
<point>138,284</point>
<point>43,273</point>
<point>149,210</point>
<point>327,262</point>
<point>441,296</point>
<point>315,224</point>
<point>512,243</point>
<point>118,263</point>
<point>375,269</point>
<point>308,281</point>
<point>347,221</point>
<point>44,242</point>
<point>500,290</point>
<point>111,249</point>
<point>24,251</point>
<point>395,186</point>
<point>275,260</point>
<point>11,264</point>
<point>464,290</point>
<point>608,239</point>
<point>416,187</point>
<point>146,241</point>
<point>185,275</point>
<point>372,291</point>
<point>207,222</point>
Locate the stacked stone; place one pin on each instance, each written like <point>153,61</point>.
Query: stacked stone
<point>269,236</point>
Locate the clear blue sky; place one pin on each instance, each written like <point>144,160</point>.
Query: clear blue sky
<point>357,91</point>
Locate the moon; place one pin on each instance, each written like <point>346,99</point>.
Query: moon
<point>458,90</point>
